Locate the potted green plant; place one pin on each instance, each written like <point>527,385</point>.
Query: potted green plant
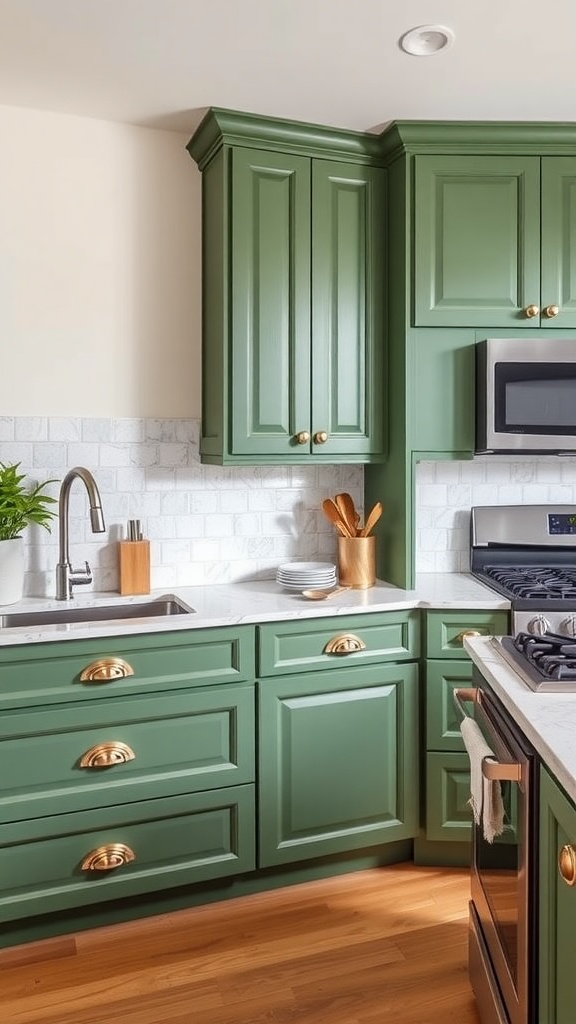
<point>20,506</point>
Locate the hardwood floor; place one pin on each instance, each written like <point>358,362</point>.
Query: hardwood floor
<point>384,946</point>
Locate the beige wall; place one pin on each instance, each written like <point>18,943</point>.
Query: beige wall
<point>99,269</point>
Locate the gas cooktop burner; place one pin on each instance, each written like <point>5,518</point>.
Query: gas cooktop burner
<point>546,662</point>
<point>534,583</point>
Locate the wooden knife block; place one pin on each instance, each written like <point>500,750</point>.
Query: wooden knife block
<point>134,566</point>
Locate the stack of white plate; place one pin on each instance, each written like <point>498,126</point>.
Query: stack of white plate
<point>301,575</point>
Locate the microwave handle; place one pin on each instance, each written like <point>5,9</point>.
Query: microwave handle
<point>495,771</point>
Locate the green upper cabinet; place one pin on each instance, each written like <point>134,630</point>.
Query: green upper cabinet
<point>293,293</point>
<point>493,241</point>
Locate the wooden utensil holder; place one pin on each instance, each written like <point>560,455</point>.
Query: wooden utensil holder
<point>357,562</point>
<point>134,566</point>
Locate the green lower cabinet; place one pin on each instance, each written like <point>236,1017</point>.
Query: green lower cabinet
<point>158,844</point>
<point>338,761</point>
<point>99,753</point>
<point>448,814</point>
<point>557,922</point>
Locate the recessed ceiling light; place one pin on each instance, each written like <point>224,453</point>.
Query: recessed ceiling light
<point>426,40</point>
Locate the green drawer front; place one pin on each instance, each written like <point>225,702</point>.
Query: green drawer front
<point>182,743</point>
<point>288,647</point>
<point>442,721</point>
<point>177,841</point>
<point>33,674</point>
<point>448,814</point>
<point>444,630</point>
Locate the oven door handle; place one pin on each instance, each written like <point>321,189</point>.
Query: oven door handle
<point>496,771</point>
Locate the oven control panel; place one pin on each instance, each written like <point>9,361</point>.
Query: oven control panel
<point>562,524</point>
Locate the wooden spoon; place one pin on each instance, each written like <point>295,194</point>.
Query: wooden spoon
<point>323,595</point>
<point>332,512</point>
<point>372,519</point>
<point>345,503</point>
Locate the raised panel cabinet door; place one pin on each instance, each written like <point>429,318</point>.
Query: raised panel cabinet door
<point>476,241</point>
<point>269,388</point>
<point>448,812</point>
<point>559,241</point>
<point>348,237</point>
<point>338,762</point>
<point>557,906</point>
<point>442,722</point>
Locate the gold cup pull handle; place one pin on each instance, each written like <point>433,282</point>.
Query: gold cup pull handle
<point>567,864</point>
<point>108,857</point>
<point>105,670</point>
<point>344,643</point>
<point>104,755</point>
<point>466,633</point>
<point>551,311</point>
<point>531,311</point>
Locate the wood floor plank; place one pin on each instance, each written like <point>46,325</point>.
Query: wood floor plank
<point>372,947</point>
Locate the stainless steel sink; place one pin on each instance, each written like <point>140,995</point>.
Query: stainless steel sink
<point>161,606</point>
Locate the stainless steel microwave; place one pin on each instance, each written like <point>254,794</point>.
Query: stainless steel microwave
<point>526,396</point>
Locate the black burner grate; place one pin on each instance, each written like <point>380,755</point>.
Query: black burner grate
<point>534,583</point>
<point>552,654</point>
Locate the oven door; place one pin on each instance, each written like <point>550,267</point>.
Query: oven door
<point>502,910</point>
<point>526,396</point>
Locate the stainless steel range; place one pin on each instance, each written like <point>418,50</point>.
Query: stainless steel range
<point>527,553</point>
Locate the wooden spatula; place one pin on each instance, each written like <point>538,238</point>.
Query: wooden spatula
<point>371,520</point>
<point>345,503</point>
<point>332,512</point>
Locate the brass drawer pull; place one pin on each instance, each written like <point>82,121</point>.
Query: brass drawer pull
<point>461,637</point>
<point>105,670</point>
<point>551,311</point>
<point>567,864</point>
<point>531,311</point>
<point>320,437</point>
<point>103,755</point>
<point>302,437</point>
<point>345,643</point>
<point>106,858</point>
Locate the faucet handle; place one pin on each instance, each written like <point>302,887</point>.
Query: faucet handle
<point>79,576</point>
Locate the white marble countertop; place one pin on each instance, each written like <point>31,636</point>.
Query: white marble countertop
<point>548,720</point>
<point>245,603</point>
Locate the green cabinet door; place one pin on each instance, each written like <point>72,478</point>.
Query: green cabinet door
<point>558,245</point>
<point>348,236</point>
<point>293,241</point>
<point>557,918</point>
<point>338,761</point>
<point>476,241</point>
<point>269,389</point>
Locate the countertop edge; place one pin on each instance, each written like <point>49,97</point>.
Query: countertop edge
<point>251,603</point>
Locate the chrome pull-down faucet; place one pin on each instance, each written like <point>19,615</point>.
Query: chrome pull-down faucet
<point>66,576</point>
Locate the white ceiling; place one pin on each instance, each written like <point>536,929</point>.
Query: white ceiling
<point>161,63</point>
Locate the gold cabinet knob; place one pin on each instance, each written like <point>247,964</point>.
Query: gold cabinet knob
<point>344,643</point>
<point>303,437</point>
<point>104,755</point>
<point>108,857</point>
<point>551,311</point>
<point>320,437</point>
<point>105,670</point>
<point>532,311</point>
<point>567,864</point>
<point>466,633</point>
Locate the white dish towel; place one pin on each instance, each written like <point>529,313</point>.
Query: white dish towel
<point>486,796</point>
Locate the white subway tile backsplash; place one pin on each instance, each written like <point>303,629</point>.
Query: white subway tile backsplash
<point>206,524</point>
<point>31,428</point>
<point>211,524</point>
<point>446,491</point>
